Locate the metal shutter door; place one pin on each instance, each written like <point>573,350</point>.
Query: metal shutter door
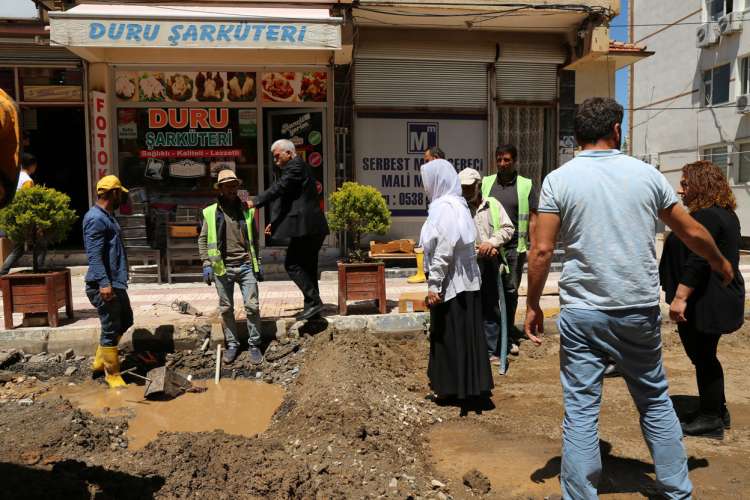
<point>37,55</point>
<point>420,83</point>
<point>526,81</point>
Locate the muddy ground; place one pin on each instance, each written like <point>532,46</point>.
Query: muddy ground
<point>355,423</point>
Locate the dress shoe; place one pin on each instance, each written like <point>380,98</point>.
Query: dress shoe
<point>230,355</point>
<point>726,418</point>
<point>313,312</point>
<point>707,426</point>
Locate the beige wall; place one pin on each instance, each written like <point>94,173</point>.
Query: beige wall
<point>595,79</point>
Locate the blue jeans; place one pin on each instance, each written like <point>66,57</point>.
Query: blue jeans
<point>115,316</point>
<point>632,339</point>
<point>245,277</point>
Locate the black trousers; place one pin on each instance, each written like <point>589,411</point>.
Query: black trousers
<point>511,284</point>
<point>301,264</point>
<point>701,349</point>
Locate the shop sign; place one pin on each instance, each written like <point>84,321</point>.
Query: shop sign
<point>389,152</point>
<point>187,169</point>
<point>203,35</point>
<point>188,128</point>
<point>185,86</point>
<point>291,86</point>
<point>100,134</point>
<point>52,93</point>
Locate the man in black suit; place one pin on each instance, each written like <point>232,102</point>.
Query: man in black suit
<point>296,215</point>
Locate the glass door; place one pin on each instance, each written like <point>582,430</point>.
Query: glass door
<point>306,129</point>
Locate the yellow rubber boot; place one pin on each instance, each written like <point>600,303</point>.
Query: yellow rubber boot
<point>419,277</point>
<point>112,367</point>
<point>98,364</point>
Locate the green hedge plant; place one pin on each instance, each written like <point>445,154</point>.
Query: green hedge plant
<point>39,217</point>
<point>358,210</point>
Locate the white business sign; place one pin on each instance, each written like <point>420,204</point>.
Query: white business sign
<point>389,152</point>
<point>194,34</point>
<point>100,132</point>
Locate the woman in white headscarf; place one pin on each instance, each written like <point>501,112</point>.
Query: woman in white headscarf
<point>458,365</point>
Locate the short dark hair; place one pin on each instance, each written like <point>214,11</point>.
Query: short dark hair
<point>507,148</point>
<point>596,119</point>
<point>27,160</point>
<point>436,152</point>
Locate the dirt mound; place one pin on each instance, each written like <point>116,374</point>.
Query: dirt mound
<point>281,364</point>
<point>46,431</point>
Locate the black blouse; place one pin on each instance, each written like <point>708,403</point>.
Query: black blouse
<point>712,307</point>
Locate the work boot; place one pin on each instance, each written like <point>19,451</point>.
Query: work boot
<point>256,357</point>
<point>708,426</point>
<point>111,359</point>
<point>310,313</point>
<point>230,355</point>
<point>419,277</point>
<point>726,418</point>
<point>98,363</point>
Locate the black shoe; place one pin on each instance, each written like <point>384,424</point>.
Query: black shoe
<point>726,418</point>
<point>707,426</point>
<point>311,313</point>
<point>256,357</point>
<point>230,355</point>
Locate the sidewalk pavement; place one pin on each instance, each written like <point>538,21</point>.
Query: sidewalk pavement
<point>280,301</point>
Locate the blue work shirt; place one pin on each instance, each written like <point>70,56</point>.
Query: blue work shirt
<point>108,262</point>
<point>608,205</point>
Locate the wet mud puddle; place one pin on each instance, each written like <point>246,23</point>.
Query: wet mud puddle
<point>240,407</point>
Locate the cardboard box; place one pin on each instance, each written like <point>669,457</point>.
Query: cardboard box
<point>412,302</point>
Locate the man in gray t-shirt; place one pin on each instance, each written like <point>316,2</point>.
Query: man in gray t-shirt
<point>604,206</point>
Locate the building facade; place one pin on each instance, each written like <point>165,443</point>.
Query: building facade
<point>175,93</point>
<point>689,101</point>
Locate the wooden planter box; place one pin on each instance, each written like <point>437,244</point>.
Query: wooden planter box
<point>37,293</point>
<point>362,282</point>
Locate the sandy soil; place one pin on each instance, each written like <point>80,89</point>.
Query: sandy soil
<point>355,424</point>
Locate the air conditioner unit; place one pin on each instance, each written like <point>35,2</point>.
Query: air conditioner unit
<point>731,23</point>
<point>707,35</point>
<point>743,104</point>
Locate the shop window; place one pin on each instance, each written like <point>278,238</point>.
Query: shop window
<point>716,85</point>
<point>532,130</point>
<point>8,81</point>
<point>717,9</point>
<point>51,84</point>
<point>179,151</point>
<point>744,166</point>
<point>718,156</point>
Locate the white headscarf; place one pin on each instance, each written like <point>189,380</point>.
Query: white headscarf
<point>448,214</point>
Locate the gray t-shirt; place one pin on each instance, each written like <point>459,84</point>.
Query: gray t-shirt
<point>609,204</point>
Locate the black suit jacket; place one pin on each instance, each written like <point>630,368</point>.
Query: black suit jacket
<point>712,307</point>
<point>295,209</point>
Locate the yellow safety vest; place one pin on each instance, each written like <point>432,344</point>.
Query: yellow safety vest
<point>214,255</point>
<point>496,222</point>
<point>523,188</point>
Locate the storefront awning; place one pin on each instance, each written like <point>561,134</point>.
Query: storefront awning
<point>175,27</point>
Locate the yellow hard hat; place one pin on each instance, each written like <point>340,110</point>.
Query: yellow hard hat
<point>108,183</point>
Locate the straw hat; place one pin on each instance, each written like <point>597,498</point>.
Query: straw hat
<point>225,176</point>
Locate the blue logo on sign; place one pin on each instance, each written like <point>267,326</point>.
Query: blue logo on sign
<point>420,136</point>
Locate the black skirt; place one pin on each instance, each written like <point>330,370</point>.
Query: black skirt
<point>459,366</point>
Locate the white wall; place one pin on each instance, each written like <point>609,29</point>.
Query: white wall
<point>672,79</point>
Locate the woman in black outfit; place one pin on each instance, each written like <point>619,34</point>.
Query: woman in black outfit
<point>703,308</point>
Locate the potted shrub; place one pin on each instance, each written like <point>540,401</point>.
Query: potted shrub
<point>359,210</point>
<point>38,217</point>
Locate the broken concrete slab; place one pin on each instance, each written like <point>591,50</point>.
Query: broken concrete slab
<point>10,357</point>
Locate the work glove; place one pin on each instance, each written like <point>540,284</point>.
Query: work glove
<point>208,275</point>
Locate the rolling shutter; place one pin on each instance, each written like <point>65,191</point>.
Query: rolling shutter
<point>526,81</point>
<point>420,83</point>
<point>37,55</point>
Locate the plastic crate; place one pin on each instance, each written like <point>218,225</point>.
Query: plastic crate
<point>183,231</point>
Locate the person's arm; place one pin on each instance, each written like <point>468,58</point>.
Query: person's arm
<point>291,177</point>
<point>203,244</point>
<point>93,237</point>
<point>438,268</point>
<point>540,258</point>
<point>698,240</point>
<point>679,304</point>
<point>503,234</point>
<point>533,213</point>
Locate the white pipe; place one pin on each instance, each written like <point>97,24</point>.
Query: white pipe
<point>218,364</point>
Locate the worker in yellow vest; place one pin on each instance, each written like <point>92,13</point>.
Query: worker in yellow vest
<point>494,230</point>
<point>228,247</point>
<point>519,197</point>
